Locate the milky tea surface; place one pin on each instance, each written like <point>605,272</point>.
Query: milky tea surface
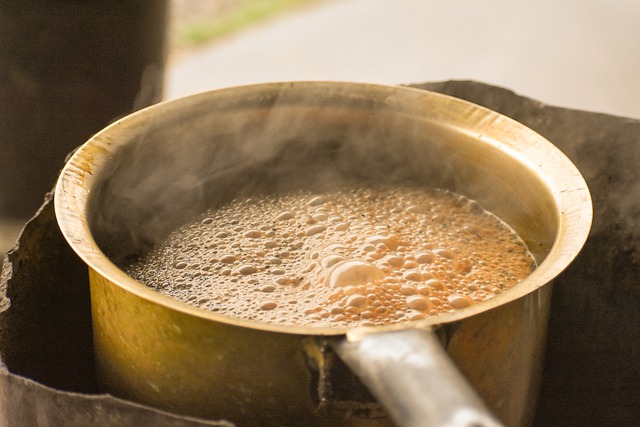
<point>355,256</point>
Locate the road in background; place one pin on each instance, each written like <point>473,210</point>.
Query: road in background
<point>582,54</point>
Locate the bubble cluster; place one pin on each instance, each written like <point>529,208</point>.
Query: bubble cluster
<point>354,256</point>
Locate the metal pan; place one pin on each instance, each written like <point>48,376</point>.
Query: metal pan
<point>145,174</point>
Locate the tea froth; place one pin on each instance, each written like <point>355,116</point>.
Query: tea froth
<point>355,256</point>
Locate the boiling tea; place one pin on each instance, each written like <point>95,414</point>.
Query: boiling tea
<point>354,256</point>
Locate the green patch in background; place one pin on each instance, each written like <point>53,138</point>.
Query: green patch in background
<point>241,15</point>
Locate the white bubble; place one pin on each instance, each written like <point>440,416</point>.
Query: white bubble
<point>330,260</point>
<point>320,216</point>
<point>318,200</point>
<point>368,248</point>
<point>180,265</point>
<point>394,260</point>
<point>459,301</point>
<point>268,305</point>
<point>408,290</point>
<point>424,258</point>
<point>418,302</point>
<point>391,241</point>
<point>228,259</point>
<point>410,264</point>
<point>247,269</point>
<point>356,300</point>
<point>286,215</point>
<point>315,229</point>
<point>445,253</point>
<point>353,272</point>
<point>436,284</point>
<point>413,275</point>
<point>333,248</point>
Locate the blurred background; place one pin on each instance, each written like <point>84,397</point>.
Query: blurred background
<point>581,54</point>
<point>68,69</point>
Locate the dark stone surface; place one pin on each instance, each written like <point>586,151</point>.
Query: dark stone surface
<point>592,368</point>
<point>47,373</point>
<point>25,403</point>
<point>46,333</point>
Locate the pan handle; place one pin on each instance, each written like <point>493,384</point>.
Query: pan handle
<point>411,375</point>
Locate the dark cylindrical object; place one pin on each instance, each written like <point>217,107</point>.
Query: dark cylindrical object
<point>68,68</point>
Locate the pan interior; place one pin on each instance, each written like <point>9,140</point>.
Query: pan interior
<point>180,164</point>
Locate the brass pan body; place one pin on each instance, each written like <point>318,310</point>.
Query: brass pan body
<point>280,136</point>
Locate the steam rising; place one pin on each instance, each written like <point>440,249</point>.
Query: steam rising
<point>190,159</point>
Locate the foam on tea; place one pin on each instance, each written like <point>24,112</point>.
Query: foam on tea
<point>355,256</point>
